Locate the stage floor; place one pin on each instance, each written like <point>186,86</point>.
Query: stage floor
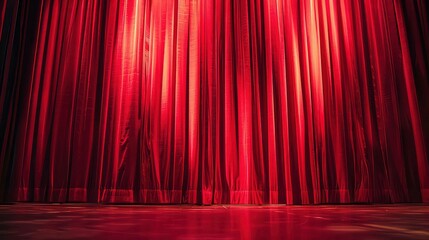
<point>87,221</point>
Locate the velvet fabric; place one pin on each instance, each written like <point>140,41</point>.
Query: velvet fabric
<point>214,101</point>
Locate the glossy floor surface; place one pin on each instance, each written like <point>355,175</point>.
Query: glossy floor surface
<point>84,221</point>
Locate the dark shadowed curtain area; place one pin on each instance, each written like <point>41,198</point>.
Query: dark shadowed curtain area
<point>214,101</point>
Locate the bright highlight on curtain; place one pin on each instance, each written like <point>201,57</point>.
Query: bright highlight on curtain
<point>214,101</point>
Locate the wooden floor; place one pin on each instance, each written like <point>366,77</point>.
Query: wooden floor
<point>86,221</point>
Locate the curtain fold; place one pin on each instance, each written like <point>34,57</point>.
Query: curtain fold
<point>214,101</point>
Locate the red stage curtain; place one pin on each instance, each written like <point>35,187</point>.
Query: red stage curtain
<point>214,101</point>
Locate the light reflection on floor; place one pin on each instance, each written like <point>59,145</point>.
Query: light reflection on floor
<point>86,221</point>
